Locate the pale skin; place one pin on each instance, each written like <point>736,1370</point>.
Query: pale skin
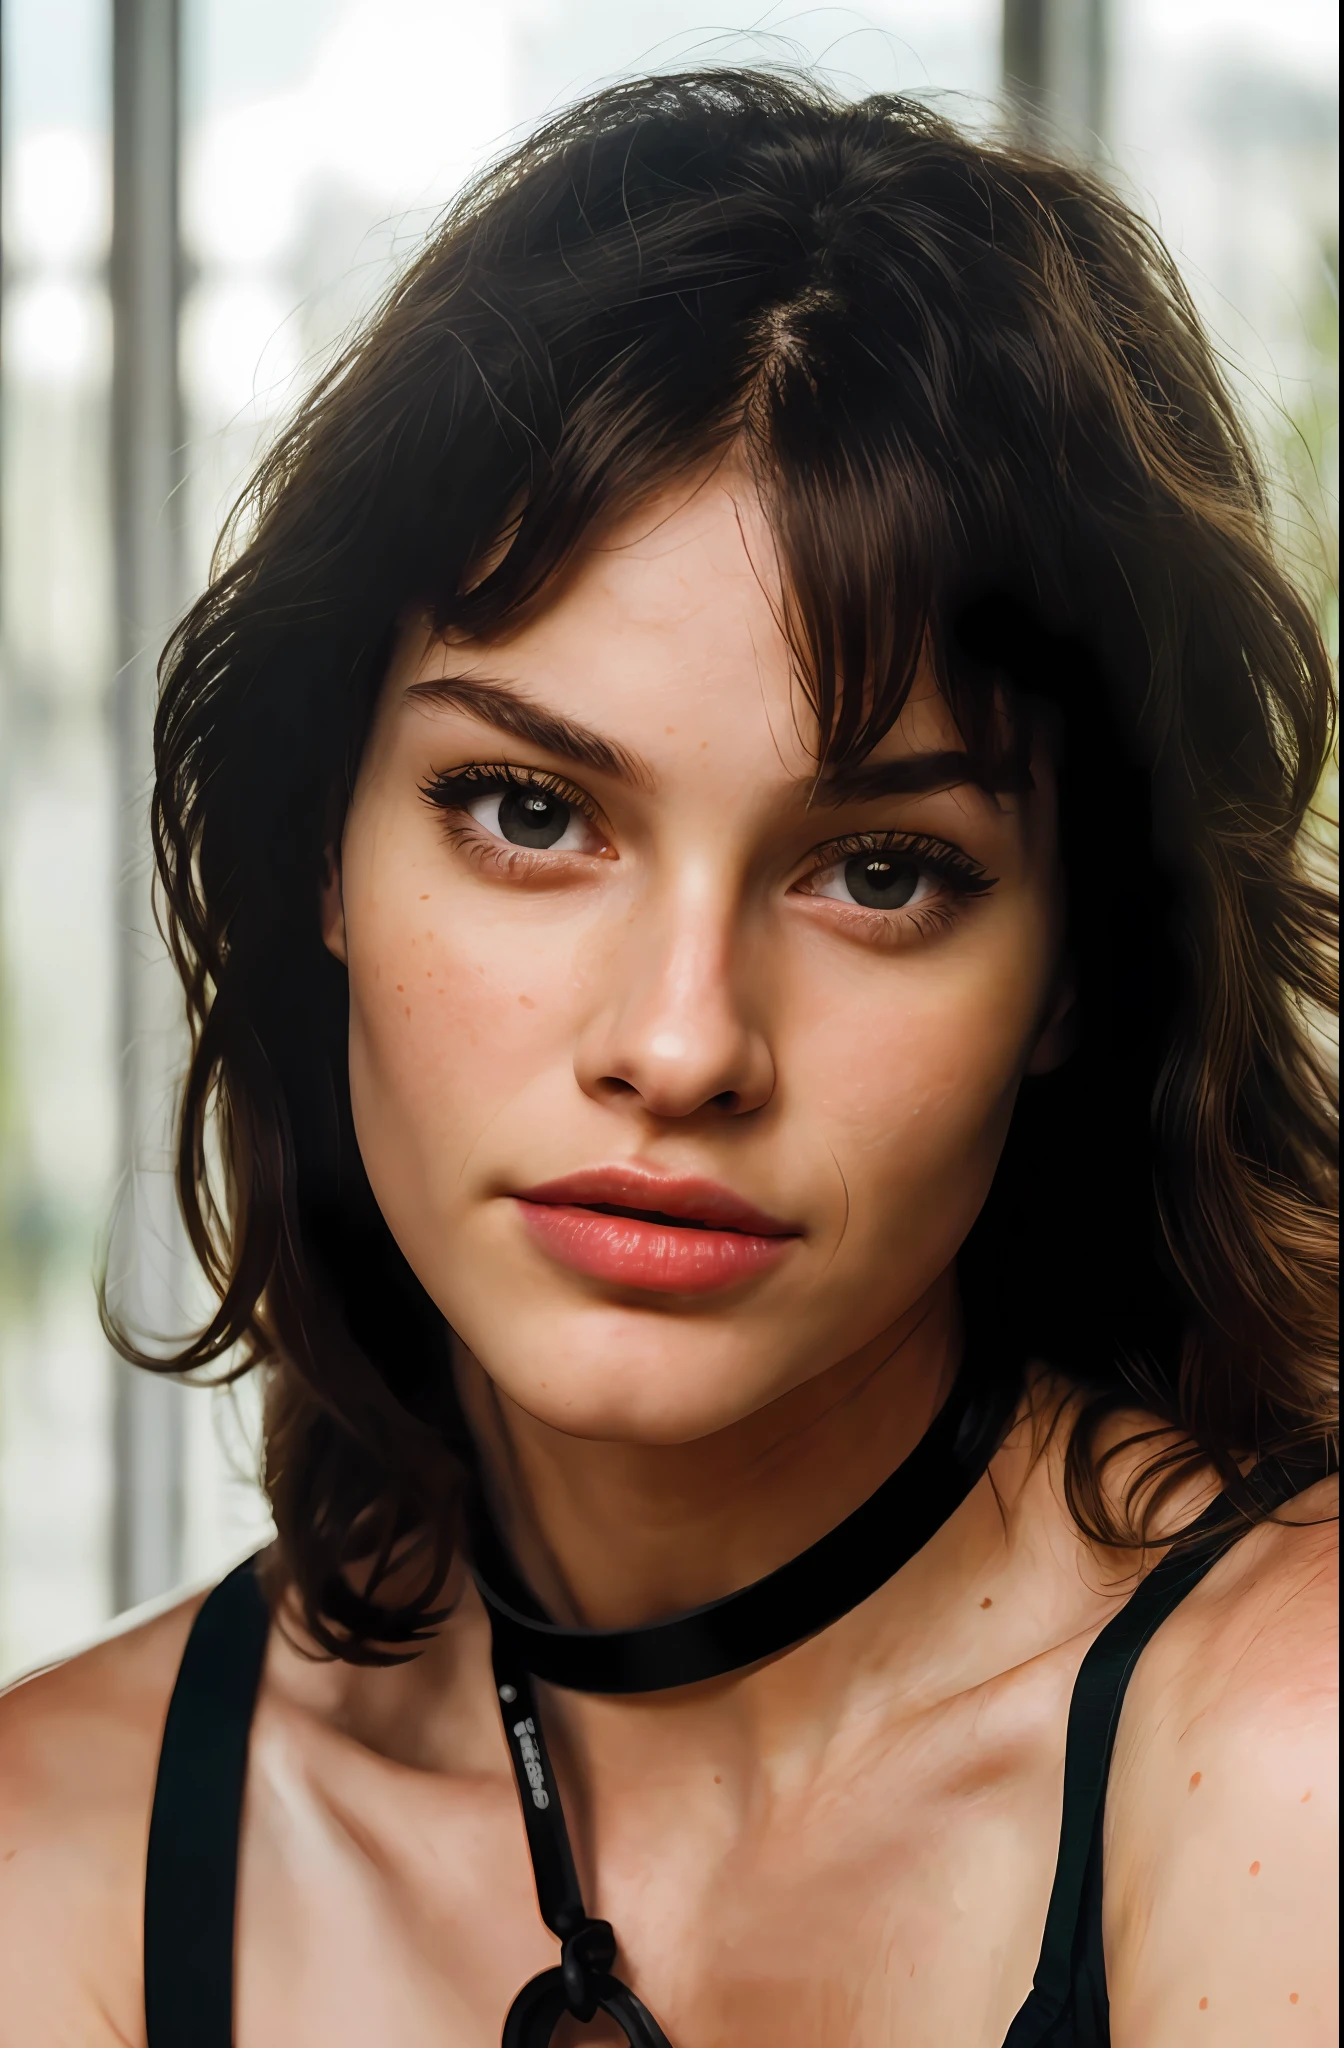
<point>853,1844</point>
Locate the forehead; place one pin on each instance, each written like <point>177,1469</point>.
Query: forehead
<point>668,625</point>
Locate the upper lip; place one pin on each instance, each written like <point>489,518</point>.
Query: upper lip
<point>685,1197</point>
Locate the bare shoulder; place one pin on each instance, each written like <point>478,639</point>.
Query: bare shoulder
<point>79,1747</point>
<point>1222,1818</point>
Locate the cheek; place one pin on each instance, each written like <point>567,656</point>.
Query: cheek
<point>917,1099</point>
<point>930,1079</point>
<point>447,1026</point>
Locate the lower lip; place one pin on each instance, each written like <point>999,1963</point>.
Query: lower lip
<point>662,1258</point>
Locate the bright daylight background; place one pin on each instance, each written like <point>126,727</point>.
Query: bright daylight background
<point>317,139</point>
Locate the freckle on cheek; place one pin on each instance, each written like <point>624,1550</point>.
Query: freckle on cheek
<point>1203,2004</point>
<point>1255,1869</point>
<point>986,1602</point>
<point>1292,1998</point>
<point>1195,1777</point>
<point>527,1002</point>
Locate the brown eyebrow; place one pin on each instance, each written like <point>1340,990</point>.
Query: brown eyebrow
<point>909,775</point>
<point>508,710</point>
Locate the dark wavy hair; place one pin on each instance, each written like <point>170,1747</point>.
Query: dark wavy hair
<point>984,421</point>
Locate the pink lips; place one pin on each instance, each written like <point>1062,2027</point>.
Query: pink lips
<point>673,1235</point>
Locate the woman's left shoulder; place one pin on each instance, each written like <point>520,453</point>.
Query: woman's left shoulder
<point>1220,1887</point>
<point>1258,1634</point>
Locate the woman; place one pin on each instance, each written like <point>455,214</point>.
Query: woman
<point>734,838</point>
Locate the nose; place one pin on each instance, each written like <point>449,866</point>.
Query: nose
<point>674,1028</point>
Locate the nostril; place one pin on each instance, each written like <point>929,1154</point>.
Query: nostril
<point>612,1084</point>
<point>729,1100</point>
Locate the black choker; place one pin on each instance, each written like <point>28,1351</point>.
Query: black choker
<point>777,1612</point>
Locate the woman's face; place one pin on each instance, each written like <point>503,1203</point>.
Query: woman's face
<point>614,947</point>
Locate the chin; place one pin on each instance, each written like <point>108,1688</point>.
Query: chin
<point>627,1375</point>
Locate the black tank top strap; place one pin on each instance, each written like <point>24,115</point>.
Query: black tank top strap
<point>191,1872</point>
<point>1068,2005</point>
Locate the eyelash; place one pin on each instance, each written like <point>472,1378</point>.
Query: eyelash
<point>952,867</point>
<point>454,789</point>
<point>959,874</point>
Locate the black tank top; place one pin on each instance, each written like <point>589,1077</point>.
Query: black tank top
<point>192,1864</point>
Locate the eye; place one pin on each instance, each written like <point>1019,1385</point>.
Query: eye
<point>875,881</point>
<point>528,809</point>
<point>926,878</point>
<point>532,817</point>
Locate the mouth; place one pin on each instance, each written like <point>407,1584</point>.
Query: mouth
<point>667,1235</point>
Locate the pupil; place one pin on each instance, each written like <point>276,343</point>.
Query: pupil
<point>881,881</point>
<point>531,817</point>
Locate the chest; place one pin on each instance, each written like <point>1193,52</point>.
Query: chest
<point>893,1889</point>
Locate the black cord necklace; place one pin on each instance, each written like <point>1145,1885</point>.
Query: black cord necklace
<point>775,1613</point>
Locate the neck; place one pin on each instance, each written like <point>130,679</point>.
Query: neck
<point>612,1534</point>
